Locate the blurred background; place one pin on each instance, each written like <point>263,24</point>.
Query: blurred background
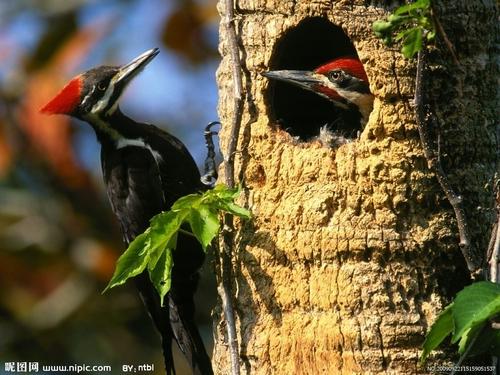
<point>58,238</point>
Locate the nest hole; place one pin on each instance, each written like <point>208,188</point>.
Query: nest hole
<point>310,44</point>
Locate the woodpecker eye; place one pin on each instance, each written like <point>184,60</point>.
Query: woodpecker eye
<point>335,75</point>
<point>101,86</point>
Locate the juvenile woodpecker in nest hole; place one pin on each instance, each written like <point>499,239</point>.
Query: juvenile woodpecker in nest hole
<point>343,82</point>
<point>145,171</point>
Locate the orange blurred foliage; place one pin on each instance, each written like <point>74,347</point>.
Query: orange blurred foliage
<point>50,136</point>
<point>5,153</point>
<point>184,30</point>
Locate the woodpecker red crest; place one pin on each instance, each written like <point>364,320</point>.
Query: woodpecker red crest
<point>343,81</point>
<point>349,65</point>
<point>67,100</point>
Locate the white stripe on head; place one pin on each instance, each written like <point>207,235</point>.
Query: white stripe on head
<point>363,101</point>
<point>104,101</point>
<point>88,96</point>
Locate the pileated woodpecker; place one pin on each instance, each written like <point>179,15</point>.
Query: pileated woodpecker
<point>145,171</point>
<point>342,81</point>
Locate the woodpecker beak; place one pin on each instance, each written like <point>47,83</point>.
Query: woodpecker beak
<point>127,72</point>
<point>302,78</point>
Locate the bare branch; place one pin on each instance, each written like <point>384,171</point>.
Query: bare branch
<point>494,250</point>
<point>227,238</point>
<point>493,255</point>
<point>237,91</point>
<point>424,116</point>
<point>444,36</point>
<point>225,292</point>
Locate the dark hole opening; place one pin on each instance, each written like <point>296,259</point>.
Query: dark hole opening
<point>312,43</point>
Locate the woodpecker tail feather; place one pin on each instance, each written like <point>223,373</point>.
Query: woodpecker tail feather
<point>160,316</point>
<point>185,332</point>
<point>176,320</point>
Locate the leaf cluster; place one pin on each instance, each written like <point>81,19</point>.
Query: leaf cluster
<point>467,320</point>
<point>153,249</point>
<point>409,24</point>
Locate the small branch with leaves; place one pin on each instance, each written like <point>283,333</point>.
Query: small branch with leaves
<point>469,322</point>
<point>152,250</point>
<point>410,24</point>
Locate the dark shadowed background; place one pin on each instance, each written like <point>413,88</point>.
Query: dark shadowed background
<point>58,238</point>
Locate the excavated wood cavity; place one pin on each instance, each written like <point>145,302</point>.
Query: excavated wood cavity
<point>306,46</point>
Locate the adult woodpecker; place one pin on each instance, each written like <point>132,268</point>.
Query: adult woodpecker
<point>145,171</point>
<point>342,81</point>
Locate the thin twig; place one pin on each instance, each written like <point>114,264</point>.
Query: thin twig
<point>423,117</point>
<point>237,112</point>
<point>493,254</point>
<point>227,238</point>
<point>494,250</point>
<point>186,232</point>
<point>225,291</point>
<point>444,36</point>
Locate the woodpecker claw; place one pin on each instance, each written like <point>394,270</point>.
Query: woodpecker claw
<point>210,176</point>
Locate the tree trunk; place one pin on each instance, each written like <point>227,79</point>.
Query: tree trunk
<point>353,251</point>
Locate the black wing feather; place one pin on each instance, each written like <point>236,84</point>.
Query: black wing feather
<point>141,184</point>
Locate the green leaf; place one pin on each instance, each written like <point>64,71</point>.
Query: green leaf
<point>474,305</point>
<point>132,262</point>
<point>425,22</point>
<point>419,5</point>
<point>403,34</point>
<point>153,259</point>
<point>469,337</point>
<point>161,274</point>
<point>412,43</point>
<point>205,224</point>
<point>442,327</point>
<point>409,22</point>
<point>225,193</point>
<point>381,28</point>
<point>395,19</point>
<point>388,41</point>
<point>234,209</point>
<point>186,202</point>
<point>163,227</point>
<point>157,253</point>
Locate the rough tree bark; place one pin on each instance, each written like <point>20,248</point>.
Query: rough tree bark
<point>353,251</point>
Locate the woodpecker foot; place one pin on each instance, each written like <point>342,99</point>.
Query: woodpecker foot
<point>210,170</point>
